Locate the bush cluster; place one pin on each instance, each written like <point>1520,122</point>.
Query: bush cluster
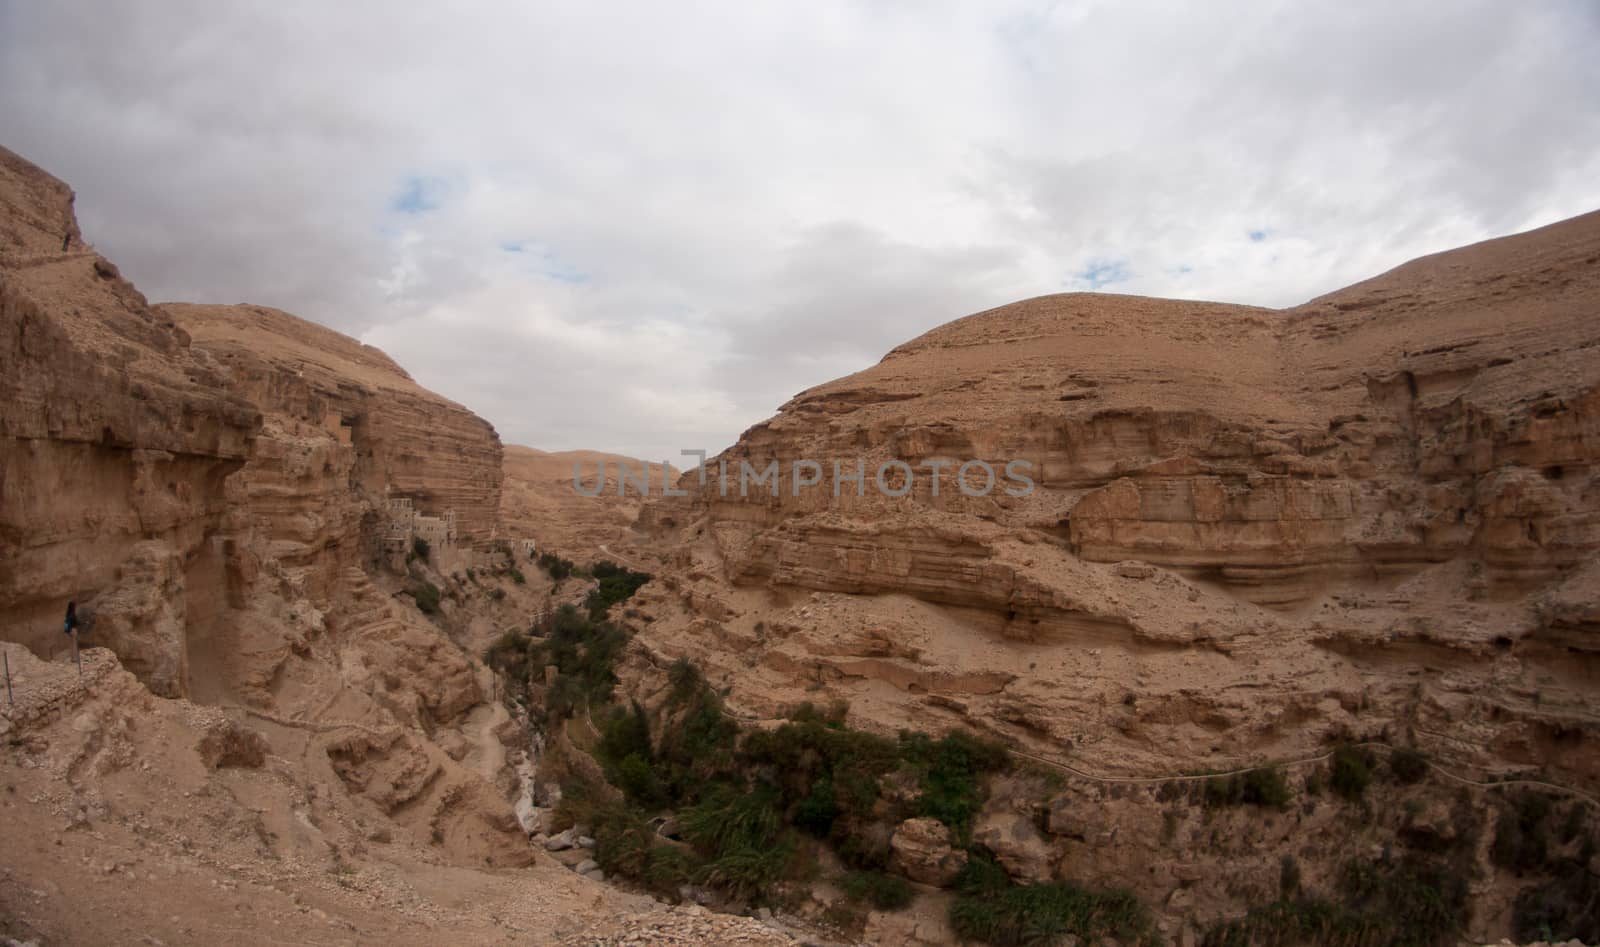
<point>583,651</point>
<point>426,595</point>
<point>1408,766</point>
<point>747,808</point>
<point>615,584</point>
<point>883,891</point>
<point>1351,771</point>
<point>1405,903</point>
<point>990,908</point>
<point>1258,787</point>
<point>555,566</point>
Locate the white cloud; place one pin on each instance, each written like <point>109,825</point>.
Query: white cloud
<point>642,227</point>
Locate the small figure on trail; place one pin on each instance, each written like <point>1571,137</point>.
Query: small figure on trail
<point>71,624</point>
<point>66,242</point>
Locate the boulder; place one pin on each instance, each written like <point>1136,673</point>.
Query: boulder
<point>921,850</point>
<point>1016,844</point>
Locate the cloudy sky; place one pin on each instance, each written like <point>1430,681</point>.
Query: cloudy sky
<point>642,227</point>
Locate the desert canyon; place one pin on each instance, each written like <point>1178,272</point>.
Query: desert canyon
<point>1298,630</point>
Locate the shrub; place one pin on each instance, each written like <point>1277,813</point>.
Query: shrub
<point>951,769</point>
<point>638,782</point>
<point>1565,908</point>
<point>1258,787</point>
<point>1408,766</point>
<point>1407,904</point>
<point>625,751</point>
<point>697,744</point>
<point>426,595</point>
<point>626,845</point>
<point>990,909</point>
<point>509,655</point>
<point>882,891</point>
<point>816,812</point>
<point>728,821</point>
<point>625,733</point>
<point>584,653</point>
<point>1522,834</point>
<point>615,584</point>
<point>747,873</point>
<point>1352,771</point>
<point>557,567</point>
<point>518,577</point>
<point>419,548</point>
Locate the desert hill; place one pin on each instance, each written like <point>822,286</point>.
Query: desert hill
<point>538,499</point>
<point>1253,533</point>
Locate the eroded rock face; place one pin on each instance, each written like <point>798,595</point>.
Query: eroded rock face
<point>345,418</point>
<point>209,485</point>
<point>1249,528</point>
<point>116,437</point>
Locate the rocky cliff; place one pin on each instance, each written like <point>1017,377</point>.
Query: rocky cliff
<point>210,485</point>
<point>404,440</point>
<point>1247,529</point>
<point>539,501</point>
<point>117,439</point>
<point>174,468</point>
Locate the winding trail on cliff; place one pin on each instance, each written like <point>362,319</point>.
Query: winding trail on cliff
<point>1191,776</point>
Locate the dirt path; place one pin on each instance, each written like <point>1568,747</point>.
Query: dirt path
<point>488,754</point>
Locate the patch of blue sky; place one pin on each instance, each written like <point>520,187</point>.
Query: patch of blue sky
<point>546,262</point>
<point>419,195</point>
<point>1103,272</point>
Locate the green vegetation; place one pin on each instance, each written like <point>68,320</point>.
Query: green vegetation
<point>426,595</point>
<point>1258,787</point>
<point>1408,903</point>
<point>625,843</point>
<point>615,584</point>
<point>582,651</point>
<point>1567,907</point>
<point>1352,771</point>
<point>557,567</point>
<point>1528,841</point>
<point>991,909</point>
<point>1408,766</point>
<point>950,769</point>
<point>419,548</point>
<point>1522,834</point>
<point>518,577</point>
<point>882,891</point>
<point>752,810</point>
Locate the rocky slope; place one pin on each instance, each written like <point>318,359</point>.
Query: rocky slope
<point>538,499</point>
<point>1251,532</point>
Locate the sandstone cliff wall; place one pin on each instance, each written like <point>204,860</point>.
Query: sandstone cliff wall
<point>207,482</point>
<point>116,439</point>
<point>1377,510</point>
